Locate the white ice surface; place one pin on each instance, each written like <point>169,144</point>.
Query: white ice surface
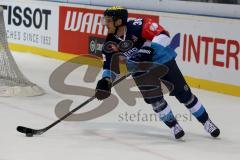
<point>108,137</point>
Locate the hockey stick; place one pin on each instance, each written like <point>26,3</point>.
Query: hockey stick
<point>30,132</point>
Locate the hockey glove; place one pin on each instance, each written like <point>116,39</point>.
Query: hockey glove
<point>103,89</point>
<point>144,54</point>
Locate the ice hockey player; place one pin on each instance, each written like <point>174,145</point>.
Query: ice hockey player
<point>150,43</point>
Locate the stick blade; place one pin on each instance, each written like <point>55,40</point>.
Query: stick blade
<point>28,131</point>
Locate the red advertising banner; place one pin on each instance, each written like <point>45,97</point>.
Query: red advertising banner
<point>80,27</point>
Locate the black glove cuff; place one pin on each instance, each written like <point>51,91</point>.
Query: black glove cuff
<point>104,84</point>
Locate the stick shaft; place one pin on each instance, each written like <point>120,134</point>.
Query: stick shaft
<point>80,106</point>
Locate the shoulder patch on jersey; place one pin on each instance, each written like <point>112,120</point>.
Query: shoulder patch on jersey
<point>153,26</point>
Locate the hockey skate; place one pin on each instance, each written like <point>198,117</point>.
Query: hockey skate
<point>177,131</point>
<point>211,128</point>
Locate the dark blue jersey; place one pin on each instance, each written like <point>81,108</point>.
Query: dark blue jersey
<point>138,33</point>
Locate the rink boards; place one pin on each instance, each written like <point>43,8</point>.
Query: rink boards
<point>209,52</point>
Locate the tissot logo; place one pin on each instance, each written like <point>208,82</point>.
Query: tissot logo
<point>28,17</point>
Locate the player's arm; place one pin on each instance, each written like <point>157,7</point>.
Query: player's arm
<point>110,58</point>
<point>110,69</point>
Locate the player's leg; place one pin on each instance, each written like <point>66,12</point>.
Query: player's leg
<point>165,113</point>
<point>154,96</point>
<point>184,95</point>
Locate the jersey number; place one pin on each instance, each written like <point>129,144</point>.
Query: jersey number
<point>137,22</point>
